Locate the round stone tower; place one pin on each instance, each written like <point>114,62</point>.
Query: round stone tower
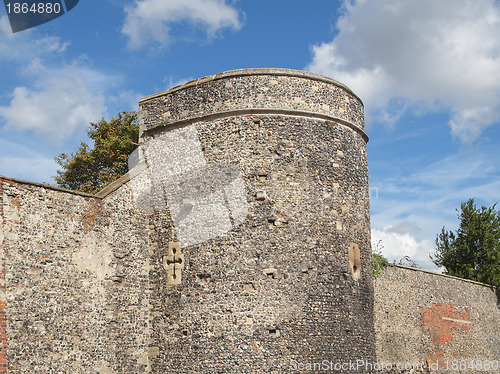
<point>261,260</point>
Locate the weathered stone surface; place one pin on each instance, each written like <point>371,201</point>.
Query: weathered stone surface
<point>73,305</point>
<point>428,319</point>
<point>260,91</point>
<point>279,287</point>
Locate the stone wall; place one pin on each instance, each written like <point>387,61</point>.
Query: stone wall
<point>76,291</point>
<point>436,321</point>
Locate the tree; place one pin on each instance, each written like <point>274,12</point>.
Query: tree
<point>473,251</point>
<point>90,169</point>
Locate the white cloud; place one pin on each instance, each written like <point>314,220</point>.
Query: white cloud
<point>150,21</point>
<point>410,210</point>
<point>51,44</point>
<point>396,246</point>
<point>56,98</point>
<point>59,103</point>
<point>26,45</point>
<point>419,52</point>
<point>5,29</point>
<point>35,67</point>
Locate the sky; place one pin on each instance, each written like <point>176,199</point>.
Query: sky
<point>427,71</point>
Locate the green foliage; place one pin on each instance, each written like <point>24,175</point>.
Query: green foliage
<point>378,260</point>
<point>473,251</point>
<point>90,169</point>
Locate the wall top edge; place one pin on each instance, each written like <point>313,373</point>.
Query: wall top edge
<point>254,71</point>
<point>441,275</point>
<point>47,186</point>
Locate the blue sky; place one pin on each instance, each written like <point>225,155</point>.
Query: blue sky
<point>428,72</point>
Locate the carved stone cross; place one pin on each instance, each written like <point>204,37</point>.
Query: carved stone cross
<point>173,263</point>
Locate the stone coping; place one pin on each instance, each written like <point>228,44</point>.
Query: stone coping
<point>110,188</point>
<point>254,71</point>
<point>125,178</point>
<point>47,186</point>
<point>442,275</point>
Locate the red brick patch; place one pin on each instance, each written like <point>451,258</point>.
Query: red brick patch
<point>439,320</point>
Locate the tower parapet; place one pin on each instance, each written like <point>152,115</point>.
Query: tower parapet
<point>254,91</point>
